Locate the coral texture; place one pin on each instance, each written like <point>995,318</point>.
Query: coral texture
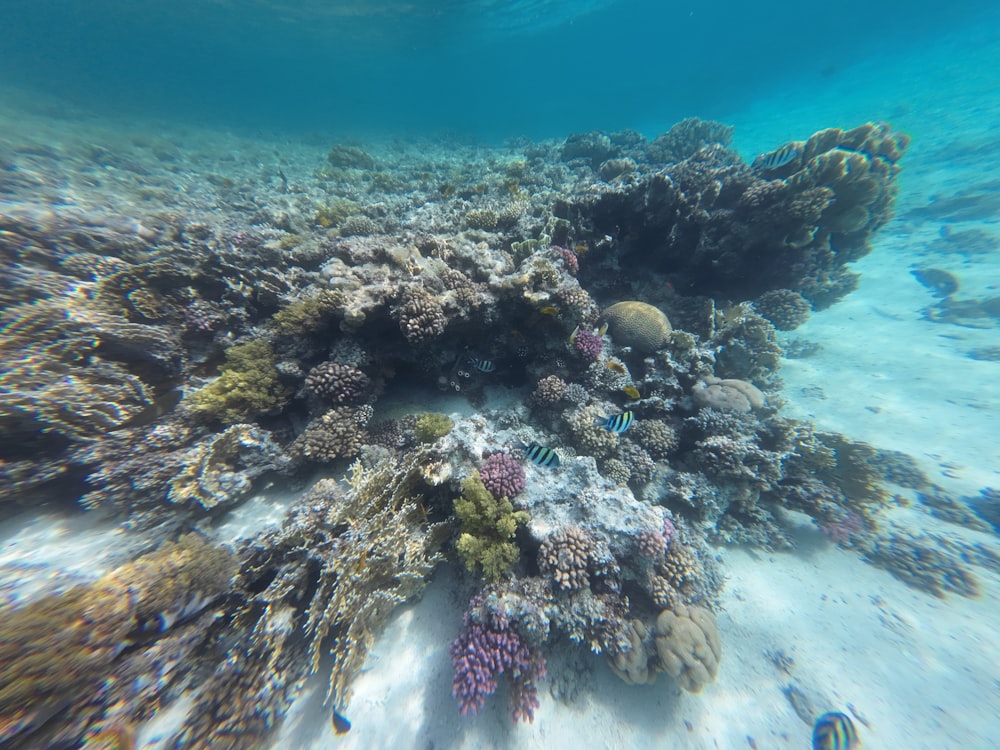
<point>335,382</point>
<point>502,475</point>
<point>484,652</point>
<point>786,309</point>
<point>488,525</point>
<point>421,317</point>
<point>588,345</point>
<point>637,324</point>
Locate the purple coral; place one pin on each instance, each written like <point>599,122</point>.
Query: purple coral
<point>569,258</point>
<point>502,475</point>
<point>589,345</point>
<point>481,653</point>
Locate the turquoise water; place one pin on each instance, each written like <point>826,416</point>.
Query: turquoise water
<point>481,69</point>
<point>280,280</point>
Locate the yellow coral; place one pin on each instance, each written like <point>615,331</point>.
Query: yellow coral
<point>637,324</point>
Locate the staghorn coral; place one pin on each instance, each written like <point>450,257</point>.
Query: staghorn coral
<point>786,309</point>
<point>220,469</point>
<point>339,433</point>
<point>502,475</point>
<point>336,382</point>
<point>637,324</point>
<point>247,385</point>
<point>488,526</point>
<point>56,650</point>
<point>420,316</point>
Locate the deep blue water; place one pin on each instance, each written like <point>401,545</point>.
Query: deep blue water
<point>481,68</point>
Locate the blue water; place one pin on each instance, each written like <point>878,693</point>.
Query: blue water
<point>483,69</point>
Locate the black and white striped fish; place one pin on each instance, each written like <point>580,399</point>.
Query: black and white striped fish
<point>617,423</point>
<point>835,731</point>
<point>779,157</point>
<point>540,455</point>
<point>483,365</point>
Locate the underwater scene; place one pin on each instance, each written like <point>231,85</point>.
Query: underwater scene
<point>483,374</point>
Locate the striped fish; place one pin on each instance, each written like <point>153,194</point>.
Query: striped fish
<point>778,158</point>
<point>835,731</point>
<point>540,455</point>
<point>618,423</point>
<point>483,365</point>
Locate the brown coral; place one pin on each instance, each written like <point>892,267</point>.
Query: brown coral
<point>336,382</point>
<point>421,317</point>
<point>727,394</point>
<point>657,436</point>
<point>637,324</point>
<point>339,433</point>
<point>575,560</point>
<point>549,390</point>
<point>785,308</point>
<point>688,646</point>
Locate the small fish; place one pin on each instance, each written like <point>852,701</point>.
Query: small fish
<point>835,731</point>
<point>941,283</point>
<point>617,423</point>
<point>616,367</point>
<point>778,158</point>
<point>483,365</point>
<point>549,310</point>
<point>340,724</point>
<point>603,329</point>
<point>632,392</point>
<point>580,248</point>
<point>540,455</point>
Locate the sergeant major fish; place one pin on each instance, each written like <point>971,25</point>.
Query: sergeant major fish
<point>483,365</point>
<point>835,731</point>
<point>617,423</point>
<point>778,158</point>
<point>540,455</point>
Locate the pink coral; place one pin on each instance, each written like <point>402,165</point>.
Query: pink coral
<point>569,258</point>
<point>502,475</point>
<point>589,345</point>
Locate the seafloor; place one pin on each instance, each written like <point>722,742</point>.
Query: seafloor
<point>264,402</point>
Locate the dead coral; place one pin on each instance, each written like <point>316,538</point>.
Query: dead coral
<point>220,469</point>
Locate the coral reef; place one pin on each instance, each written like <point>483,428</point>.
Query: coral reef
<point>488,525</point>
<point>786,309</point>
<point>430,426</point>
<point>637,324</point>
<point>56,650</point>
<point>339,433</point>
<point>486,650</point>
<point>248,385</point>
<point>421,317</point>
<point>502,475</point>
<point>684,642</point>
<point>727,394</point>
<point>335,382</point>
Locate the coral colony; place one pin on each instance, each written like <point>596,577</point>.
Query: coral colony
<point>161,363</point>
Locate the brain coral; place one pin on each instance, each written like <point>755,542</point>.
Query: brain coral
<point>643,327</point>
<point>688,645</point>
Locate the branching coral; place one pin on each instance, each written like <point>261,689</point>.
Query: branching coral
<point>421,317</point>
<point>56,650</point>
<point>431,425</point>
<point>336,382</point>
<point>247,385</point>
<point>339,433</point>
<point>488,525</point>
